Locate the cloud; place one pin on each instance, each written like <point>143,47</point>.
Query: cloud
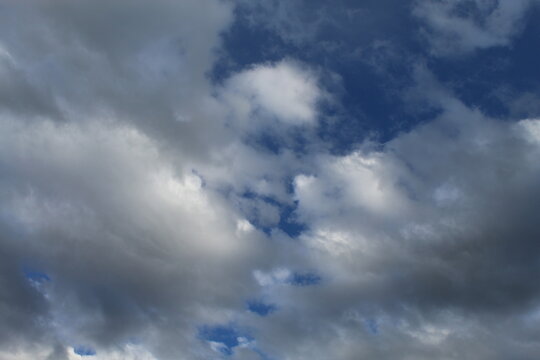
<point>282,91</point>
<point>76,61</point>
<point>454,28</point>
<point>430,249</point>
<point>147,208</point>
<point>115,246</point>
<point>113,191</point>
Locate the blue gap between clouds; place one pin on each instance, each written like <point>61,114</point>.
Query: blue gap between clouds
<point>84,351</point>
<point>270,141</point>
<point>304,279</point>
<point>34,275</point>
<point>226,335</point>
<point>371,326</point>
<point>491,78</point>
<point>260,308</point>
<point>287,222</point>
<point>370,105</point>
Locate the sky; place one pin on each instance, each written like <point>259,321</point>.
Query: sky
<point>269,179</point>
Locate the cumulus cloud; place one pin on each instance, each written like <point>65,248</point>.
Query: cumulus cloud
<point>151,212</point>
<point>431,242</point>
<point>115,246</point>
<point>425,278</point>
<point>282,91</point>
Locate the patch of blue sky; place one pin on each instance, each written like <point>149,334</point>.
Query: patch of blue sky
<point>304,279</point>
<point>260,308</point>
<point>294,139</point>
<point>36,276</point>
<point>365,88</point>
<point>371,326</point>
<point>84,351</point>
<point>253,215</point>
<point>245,45</point>
<point>490,79</point>
<point>288,223</point>
<point>223,338</point>
<point>375,60</point>
<point>266,142</point>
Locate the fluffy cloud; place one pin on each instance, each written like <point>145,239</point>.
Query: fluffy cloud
<point>429,254</point>
<point>110,230</point>
<point>282,91</point>
<point>120,232</point>
<point>147,208</point>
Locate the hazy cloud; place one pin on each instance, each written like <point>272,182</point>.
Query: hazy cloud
<point>454,28</point>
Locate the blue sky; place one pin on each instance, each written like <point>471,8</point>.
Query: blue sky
<point>269,179</point>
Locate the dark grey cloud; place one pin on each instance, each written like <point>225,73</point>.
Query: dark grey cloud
<point>125,61</point>
<point>439,223</point>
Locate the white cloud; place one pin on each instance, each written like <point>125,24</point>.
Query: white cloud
<point>357,180</point>
<point>458,27</point>
<point>530,128</point>
<point>283,91</point>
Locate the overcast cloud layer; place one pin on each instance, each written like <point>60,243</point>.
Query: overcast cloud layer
<point>268,179</point>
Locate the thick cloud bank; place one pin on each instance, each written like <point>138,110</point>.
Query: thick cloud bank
<point>153,208</point>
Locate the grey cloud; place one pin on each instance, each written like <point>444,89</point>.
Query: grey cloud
<point>101,190</point>
<point>123,178</point>
<point>129,253</point>
<point>112,59</point>
<point>439,222</point>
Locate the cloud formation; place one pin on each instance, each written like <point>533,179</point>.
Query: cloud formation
<point>458,27</point>
<point>153,211</point>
